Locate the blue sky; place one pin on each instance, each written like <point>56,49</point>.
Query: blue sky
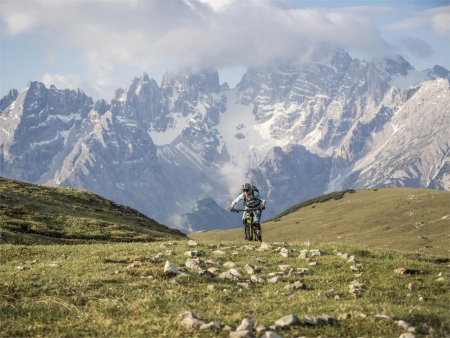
<point>101,45</point>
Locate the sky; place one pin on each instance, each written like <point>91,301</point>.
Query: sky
<point>101,45</point>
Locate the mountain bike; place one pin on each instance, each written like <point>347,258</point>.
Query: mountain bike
<point>250,232</point>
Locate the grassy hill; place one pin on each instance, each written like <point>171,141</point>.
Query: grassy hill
<point>33,214</point>
<point>82,278</point>
<point>121,290</point>
<point>392,218</point>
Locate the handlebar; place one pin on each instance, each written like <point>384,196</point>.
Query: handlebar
<point>254,209</point>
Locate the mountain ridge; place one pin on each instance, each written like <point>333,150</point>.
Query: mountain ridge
<point>192,138</point>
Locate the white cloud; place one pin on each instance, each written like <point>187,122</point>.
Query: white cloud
<point>70,81</point>
<point>437,19</point>
<point>196,33</point>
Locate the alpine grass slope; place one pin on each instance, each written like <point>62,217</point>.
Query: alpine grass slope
<point>33,214</point>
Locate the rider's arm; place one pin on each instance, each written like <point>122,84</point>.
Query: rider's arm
<point>240,197</point>
<point>261,198</point>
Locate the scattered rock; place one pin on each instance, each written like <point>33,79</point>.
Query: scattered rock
<point>185,314</point>
<point>403,324</point>
<point>227,328</point>
<point>295,286</point>
<point>158,256</point>
<point>210,325</point>
<point>260,328</point>
<point>213,271</point>
<point>250,269</point>
<point>289,320</point>
<point>192,243</point>
<point>241,334</point>
<point>191,322</point>
<point>383,317</point>
<point>270,334</point>
<point>412,287</point>
<point>303,254</point>
<point>55,265</point>
<point>194,253</point>
<point>236,272</point>
<point>315,252</point>
<point>274,280</point>
<point>211,262</point>
<point>170,269</point>
<point>246,325</point>
<point>406,271</point>
<point>284,267</point>
<point>407,335</point>
<point>229,264</point>
<point>266,246</point>
<point>257,279</point>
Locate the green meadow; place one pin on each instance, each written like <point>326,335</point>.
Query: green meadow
<point>73,264</point>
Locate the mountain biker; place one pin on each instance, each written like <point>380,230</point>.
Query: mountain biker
<point>252,199</point>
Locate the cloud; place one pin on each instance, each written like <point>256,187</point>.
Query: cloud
<point>417,47</point>
<point>70,81</point>
<point>436,19</point>
<point>194,34</point>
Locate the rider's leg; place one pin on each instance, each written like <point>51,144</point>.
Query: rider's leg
<point>258,229</point>
<point>256,225</point>
<point>244,221</point>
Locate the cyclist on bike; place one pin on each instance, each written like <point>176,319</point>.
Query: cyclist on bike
<point>252,200</point>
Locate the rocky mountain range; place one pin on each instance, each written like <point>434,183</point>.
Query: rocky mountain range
<point>296,131</point>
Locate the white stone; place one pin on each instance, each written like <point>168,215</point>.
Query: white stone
<point>246,325</point>
<point>169,268</point>
<point>256,279</point>
<point>241,334</point>
<point>407,335</point>
<point>211,262</point>
<point>270,334</point>
<point>303,254</point>
<point>266,246</point>
<point>210,325</point>
<point>284,267</point>
<point>315,252</point>
<point>250,269</point>
<point>289,320</point>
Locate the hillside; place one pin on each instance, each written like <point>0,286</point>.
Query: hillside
<point>34,214</point>
<point>391,218</point>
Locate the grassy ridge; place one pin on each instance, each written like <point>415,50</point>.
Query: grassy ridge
<point>392,218</point>
<point>120,290</point>
<point>32,214</point>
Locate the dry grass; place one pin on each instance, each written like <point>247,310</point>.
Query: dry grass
<point>393,218</point>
